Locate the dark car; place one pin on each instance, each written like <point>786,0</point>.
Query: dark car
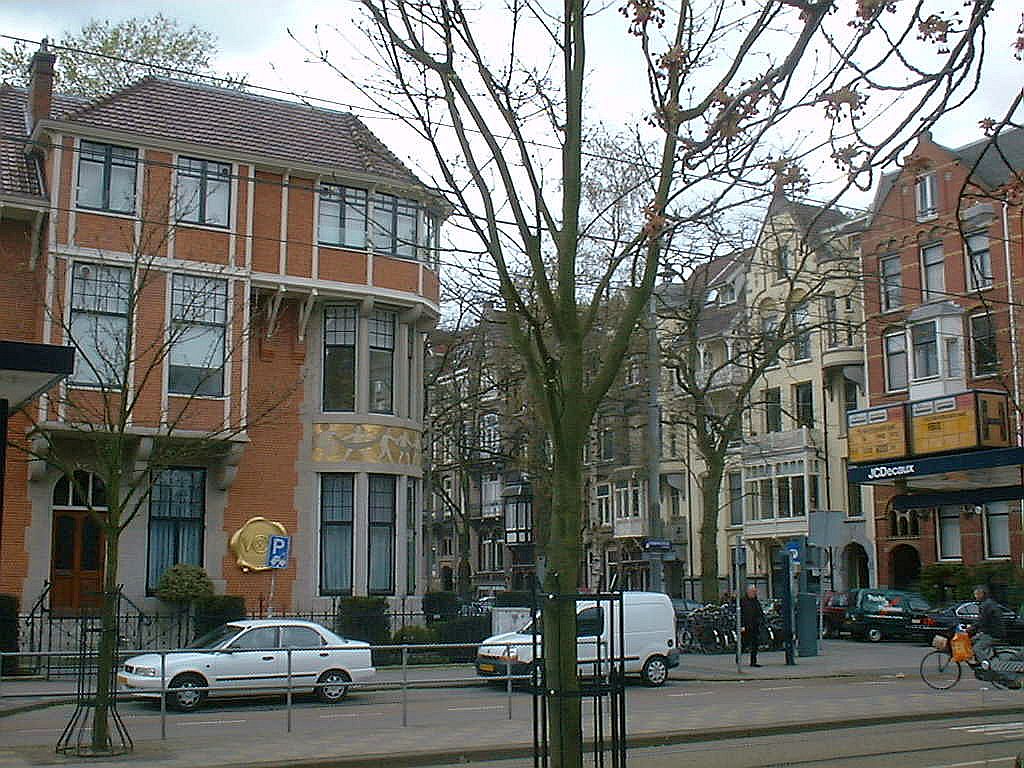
<point>833,613</point>
<point>879,614</point>
<point>946,620</point>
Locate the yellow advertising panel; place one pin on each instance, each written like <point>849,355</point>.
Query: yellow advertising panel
<point>994,419</point>
<point>944,424</point>
<point>250,542</point>
<point>877,434</point>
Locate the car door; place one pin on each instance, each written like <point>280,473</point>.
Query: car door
<point>590,633</point>
<point>309,656</point>
<point>252,662</point>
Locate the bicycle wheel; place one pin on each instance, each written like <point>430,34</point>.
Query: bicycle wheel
<point>939,671</point>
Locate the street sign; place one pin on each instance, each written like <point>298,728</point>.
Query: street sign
<point>657,545</point>
<point>794,550</point>
<point>278,548</point>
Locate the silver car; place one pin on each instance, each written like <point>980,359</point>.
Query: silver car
<point>246,658</point>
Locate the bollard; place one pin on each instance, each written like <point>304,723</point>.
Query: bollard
<point>288,707</point>
<point>163,695</point>
<point>508,678</point>
<point>405,688</point>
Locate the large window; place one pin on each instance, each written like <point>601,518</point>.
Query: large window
<point>933,273</point>
<point>381,511</point>
<point>100,304</point>
<point>411,560</point>
<point>341,219</point>
<point>199,309</point>
<point>177,510</point>
<point>490,435</point>
<point>603,494</point>
<point>607,444</point>
<point>926,196</point>
<point>382,361</point>
<point>340,325</point>
<point>924,340</point>
<point>337,501</point>
<point>984,353</point>
<point>403,227</point>
<point>735,498</point>
<point>979,262</point>
<point>773,410</point>
<point>782,265</point>
<point>997,529</point>
<point>891,282</point>
<point>850,395</point>
<point>832,335</point>
<point>895,361</point>
<point>801,333</point>
<point>106,177</point>
<point>803,396</point>
<point>949,533</point>
<point>854,499</point>
<point>204,192</point>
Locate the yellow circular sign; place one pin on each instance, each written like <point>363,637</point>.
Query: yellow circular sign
<point>250,542</point>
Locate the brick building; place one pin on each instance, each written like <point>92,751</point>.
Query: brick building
<point>268,271</point>
<point>943,261</point>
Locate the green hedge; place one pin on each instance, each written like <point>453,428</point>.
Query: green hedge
<point>363,618</point>
<point>948,582</point>
<point>440,606</point>
<point>214,610</point>
<point>9,631</point>
<point>463,629</point>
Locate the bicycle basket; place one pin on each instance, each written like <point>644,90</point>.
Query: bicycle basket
<point>940,643</point>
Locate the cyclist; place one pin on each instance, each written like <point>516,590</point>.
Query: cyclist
<point>988,625</point>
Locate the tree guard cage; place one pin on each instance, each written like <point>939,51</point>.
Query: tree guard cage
<point>602,670</point>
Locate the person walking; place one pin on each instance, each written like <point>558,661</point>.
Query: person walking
<point>751,618</point>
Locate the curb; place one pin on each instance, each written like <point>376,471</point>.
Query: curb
<point>34,705</point>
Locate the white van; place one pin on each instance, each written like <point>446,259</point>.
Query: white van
<point>649,628</point>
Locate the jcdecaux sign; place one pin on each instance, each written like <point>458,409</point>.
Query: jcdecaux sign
<point>897,470</point>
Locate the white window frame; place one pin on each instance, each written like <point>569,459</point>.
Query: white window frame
<point>938,533</point>
<point>890,283</point>
<point>984,528</point>
<point>986,280</point>
<point>926,196</point>
<point>931,292</point>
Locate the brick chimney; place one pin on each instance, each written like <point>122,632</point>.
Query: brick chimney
<point>40,88</point>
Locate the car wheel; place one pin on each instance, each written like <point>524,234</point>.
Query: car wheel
<point>874,635</point>
<point>191,694</point>
<point>655,671</point>
<point>332,686</point>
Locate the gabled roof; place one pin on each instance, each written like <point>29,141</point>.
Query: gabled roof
<point>224,119</point>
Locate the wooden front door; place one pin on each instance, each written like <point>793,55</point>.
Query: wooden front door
<point>76,573</point>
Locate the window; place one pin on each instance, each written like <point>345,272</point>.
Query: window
<point>926,196</point>
<point>773,410</point>
<point>341,218</point>
<point>340,358</point>
<point>519,520</point>
<point>979,262</point>
<point>381,510</point>
<point>782,262</point>
<point>411,561</point>
<point>997,529</point>
<point>301,637</point>
<point>382,361</point>
<point>933,273</point>
<point>905,523</point>
<point>769,340</point>
<point>490,435</point>
<point>337,501</point>
<point>949,533</point>
<point>891,273</point>
<point>100,303</point>
<point>984,354</point>
<point>854,500</point>
<point>728,294</point>
<point>675,502</point>
<point>767,499</point>
<point>204,192</point>
<point>590,622</point>
<point>177,510</point>
<point>401,227</point>
<point>850,395</point>
<point>896,362</point>
<point>801,334</point>
<point>490,494</point>
<point>257,639</point>
<point>603,493</point>
<point>832,321</point>
<point>106,177</point>
<point>607,444</point>
<point>803,396</point>
<point>199,309</point>
<point>492,552</point>
<point>735,498</point>
<point>926,350</point>
<point>621,498</point>
<point>410,369</point>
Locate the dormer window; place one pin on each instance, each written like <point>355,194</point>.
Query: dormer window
<point>926,195</point>
<point>728,294</point>
<point>712,297</point>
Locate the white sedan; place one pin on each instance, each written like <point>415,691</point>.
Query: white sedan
<point>251,658</point>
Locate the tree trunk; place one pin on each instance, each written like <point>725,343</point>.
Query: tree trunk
<point>565,730</point>
<point>107,651</point>
<point>710,490</point>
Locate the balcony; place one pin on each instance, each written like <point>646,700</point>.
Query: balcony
<point>776,528</point>
<point>840,357</point>
<point>625,527</point>
<point>787,440</point>
<point>724,377</point>
<point>492,509</point>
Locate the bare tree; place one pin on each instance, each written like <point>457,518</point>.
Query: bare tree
<point>504,119</point>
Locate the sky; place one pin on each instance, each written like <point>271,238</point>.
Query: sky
<point>253,38</point>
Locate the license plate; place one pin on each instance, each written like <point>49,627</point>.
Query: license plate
<point>487,668</point>
<point>122,679</point>
<point>915,621</point>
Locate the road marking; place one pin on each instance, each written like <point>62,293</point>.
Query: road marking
<point>989,761</point>
<point>984,727</point>
<point>878,682</point>
<point>352,714</point>
<point>695,693</point>
<point>783,688</point>
<point>38,730</point>
<point>473,709</point>
<point>216,722</point>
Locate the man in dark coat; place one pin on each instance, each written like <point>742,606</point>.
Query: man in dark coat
<point>751,617</point>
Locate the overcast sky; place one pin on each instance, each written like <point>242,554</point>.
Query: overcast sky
<point>253,39</point>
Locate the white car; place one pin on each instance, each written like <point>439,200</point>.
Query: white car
<point>251,658</point>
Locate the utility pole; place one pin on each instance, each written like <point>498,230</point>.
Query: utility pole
<point>654,554</point>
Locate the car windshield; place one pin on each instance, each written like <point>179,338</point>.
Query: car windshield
<point>216,638</point>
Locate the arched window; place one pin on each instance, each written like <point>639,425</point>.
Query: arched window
<point>86,492</point>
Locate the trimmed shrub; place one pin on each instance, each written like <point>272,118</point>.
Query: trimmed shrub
<point>214,610</point>
<point>440,606</point>
<point>941,583</point>
<point>9,632</point>
<point>514,599</point>
<point>414,635</point>
<point>463,629</point>
<point>184,584</point>
<point>363,618</point>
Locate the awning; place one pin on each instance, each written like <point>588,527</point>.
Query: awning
<point>28,369</point>
<point>958,498</point>
<point>970,471</point>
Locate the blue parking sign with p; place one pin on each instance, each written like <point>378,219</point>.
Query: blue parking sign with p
<point>277,551</point>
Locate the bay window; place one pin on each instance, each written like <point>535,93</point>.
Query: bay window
<point>381,521</point>
<point>341,216</point>
<point>337,502</point>
<point>896,374</point>
<point>100,306</point>
<point>340,323</point>
<point>924,340</point>
<point>382,361</point>
<point>198,323</point>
